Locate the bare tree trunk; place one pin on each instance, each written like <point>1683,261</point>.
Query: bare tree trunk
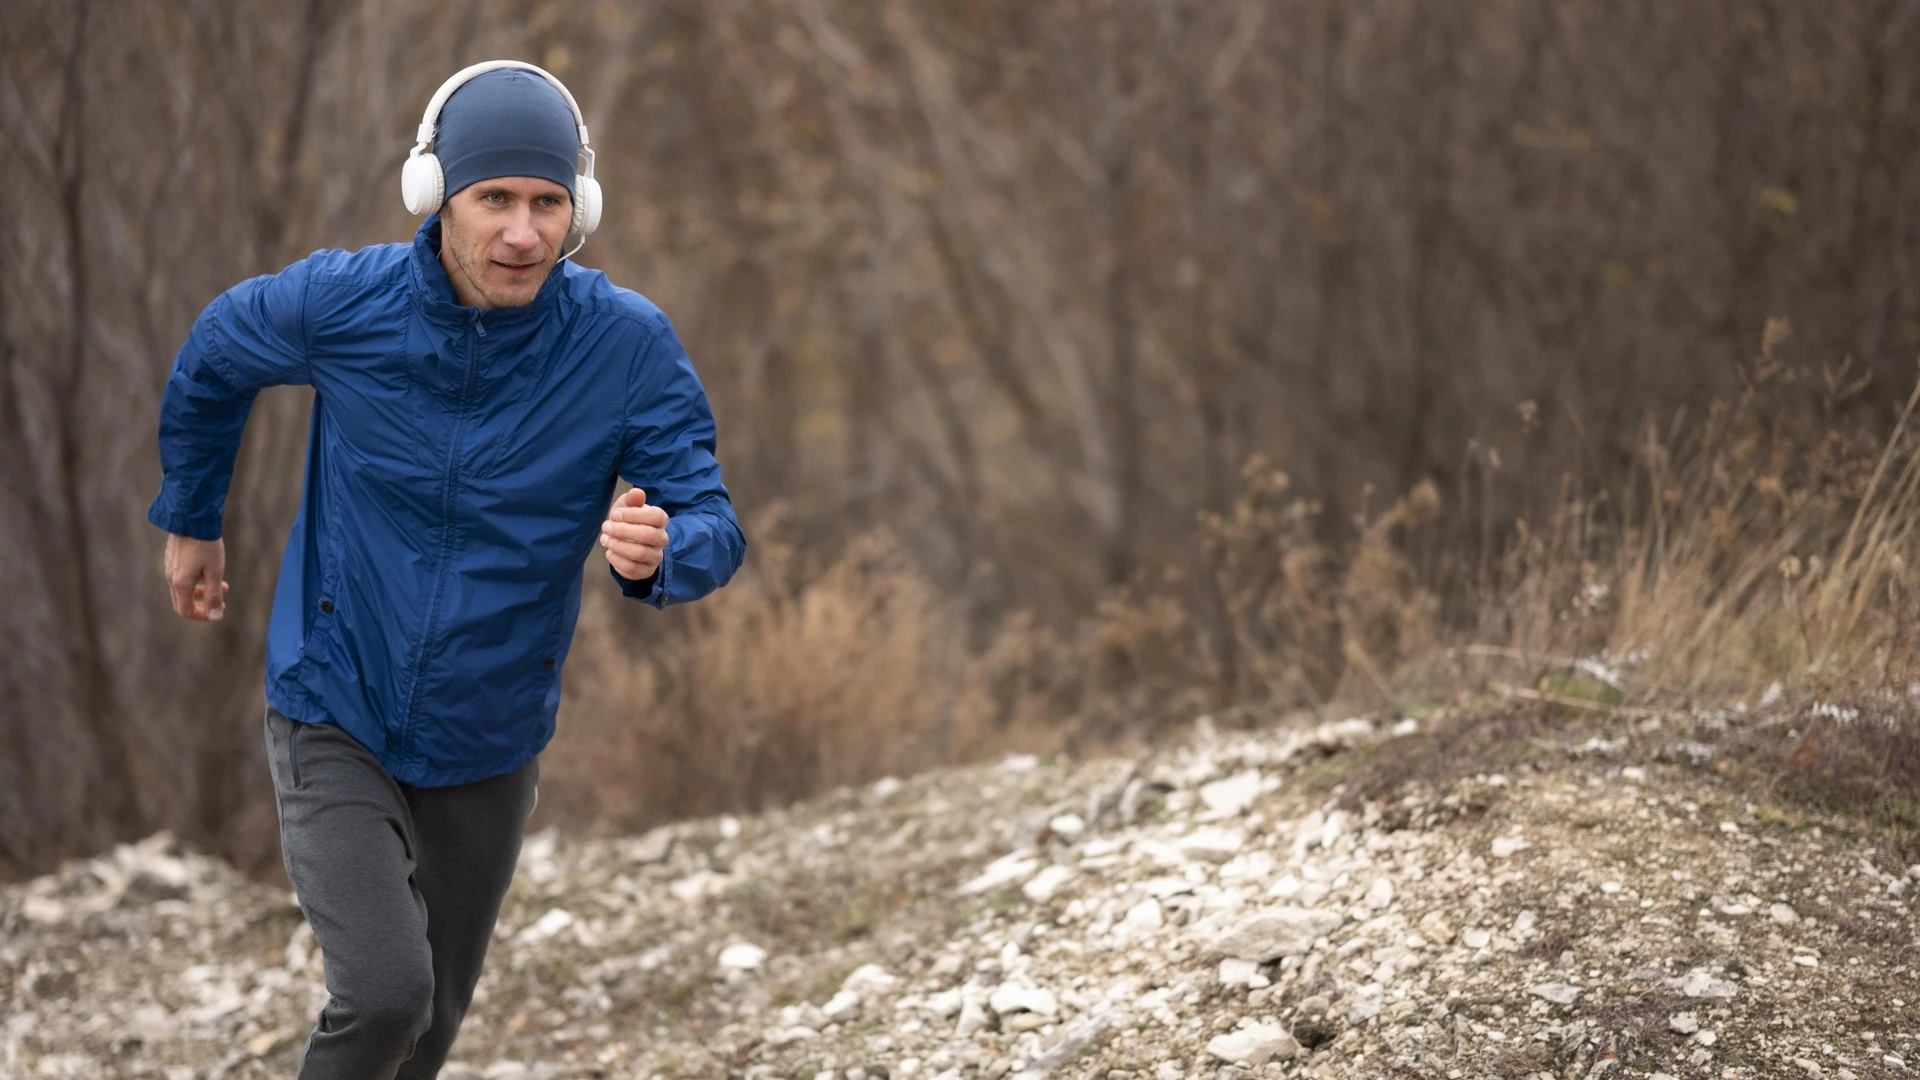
<point>114,789</point>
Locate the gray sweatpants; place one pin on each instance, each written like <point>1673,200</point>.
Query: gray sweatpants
<point>401,885</point>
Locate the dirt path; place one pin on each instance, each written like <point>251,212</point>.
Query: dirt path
<point>1209,910</point>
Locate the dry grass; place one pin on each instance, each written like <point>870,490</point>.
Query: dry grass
<point>793,680</point>
<point>1773,541</point>
<point>1754,548</point>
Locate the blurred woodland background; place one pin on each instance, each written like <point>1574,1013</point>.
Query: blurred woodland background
<point>1081,367</point>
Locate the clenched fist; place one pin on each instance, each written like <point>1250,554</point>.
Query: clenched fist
<point>194,569</point>
<point>634,536</point>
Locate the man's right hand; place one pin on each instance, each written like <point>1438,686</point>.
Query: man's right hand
<point>194,576</point>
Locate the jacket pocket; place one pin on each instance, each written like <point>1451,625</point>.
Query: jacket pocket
<point>319,618</point>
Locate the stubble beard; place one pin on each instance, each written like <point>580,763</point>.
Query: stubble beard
<point>473,265</point>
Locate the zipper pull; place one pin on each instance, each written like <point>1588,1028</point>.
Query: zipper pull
<point>478,326</point>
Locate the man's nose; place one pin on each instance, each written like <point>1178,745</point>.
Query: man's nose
<point>520,232</point>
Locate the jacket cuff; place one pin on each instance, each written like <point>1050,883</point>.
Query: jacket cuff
<point>650,589</point>
<point>179,524</point>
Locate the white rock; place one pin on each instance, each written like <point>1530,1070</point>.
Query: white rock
<point>945,1003</point>
<point>1476,938</point>
<point>1230,797</point>
<point>1335,828</point>
<point>301,947</point>
<point>867,980</point>
<point>1211,844</point>
<point>973,1017</point>
<point>1161,853</point>
<point>223,1000</point>
<point>841,1005</point>
<point>1255,1044</point>
<point>654,847</point>
<point>1043,886</point>
<point>1005,870</point>
<point>1269,935</point>
<point>1380,894</point>
<point>1067,826</point>
<point>805,1014</point>
<point>1507,846</point>
<point>1685,1023</point>
<point>1008,998</point>
<point>1237,972</point>
<point>1436,927</point>
<point>1343,734</point>
<point>1250,867</point>
<point>742,956</point>
<point>1706,1038</point>
<point>699,884</point>
<point>546,926</point>
<point>1145,915</point>
<point>1805,960</point>
<point>1162,887</point>
<point>1697,983</point>
<point>778,1037</point>
<point>1307,834</point>
<point>1558,993</point>
<point>44,910</point>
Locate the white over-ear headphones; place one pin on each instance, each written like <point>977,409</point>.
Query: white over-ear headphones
<point>424,186</point>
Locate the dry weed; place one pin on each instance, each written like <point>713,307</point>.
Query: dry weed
<point>1772,541</point>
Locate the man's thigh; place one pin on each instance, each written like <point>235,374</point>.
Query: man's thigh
<point>348,842</point>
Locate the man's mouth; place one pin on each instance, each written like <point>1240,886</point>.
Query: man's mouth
<point>516,268</point>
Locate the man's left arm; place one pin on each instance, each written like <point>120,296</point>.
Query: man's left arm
<point>668,455</point>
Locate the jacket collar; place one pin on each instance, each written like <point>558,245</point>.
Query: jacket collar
<point>436,296</point>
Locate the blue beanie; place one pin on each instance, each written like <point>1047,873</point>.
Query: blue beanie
<point>506,122</point>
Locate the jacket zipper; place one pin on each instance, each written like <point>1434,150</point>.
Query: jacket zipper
<point>461,408</point>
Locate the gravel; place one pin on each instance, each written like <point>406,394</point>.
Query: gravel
<point>1203,910</point>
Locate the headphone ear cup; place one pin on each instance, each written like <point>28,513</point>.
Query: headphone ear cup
<point>422,184</point>
<point>587,204</point>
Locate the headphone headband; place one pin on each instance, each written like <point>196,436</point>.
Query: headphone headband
<point>431,118</point>
<point>423,184</point>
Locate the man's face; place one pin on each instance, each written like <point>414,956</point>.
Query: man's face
<point>499,239</point>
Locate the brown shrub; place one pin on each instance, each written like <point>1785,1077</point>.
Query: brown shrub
<point>792,680</point>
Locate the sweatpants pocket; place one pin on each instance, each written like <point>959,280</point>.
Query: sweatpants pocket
<point>293,752</point>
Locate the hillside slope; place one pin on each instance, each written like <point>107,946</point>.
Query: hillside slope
<point>1220,907</point>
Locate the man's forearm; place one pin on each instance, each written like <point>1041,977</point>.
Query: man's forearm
<point>202,417</point>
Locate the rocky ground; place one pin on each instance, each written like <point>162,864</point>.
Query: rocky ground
<point>1224,907</point>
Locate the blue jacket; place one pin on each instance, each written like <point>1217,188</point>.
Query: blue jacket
<point>459,465</point>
